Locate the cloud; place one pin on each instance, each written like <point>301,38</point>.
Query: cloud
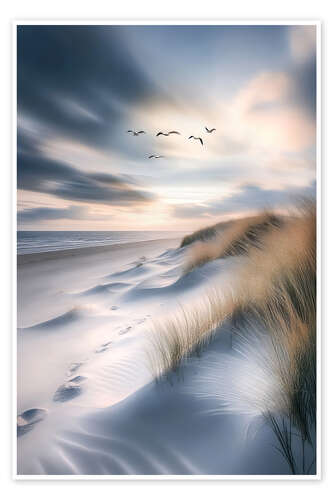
<point>248,198</point>
<point>263,91</point>
<point>283,128</point>
<point>303,48</point>
<point>47,213</point>
<point>190,211</point>
<point>78,80</point>
<point>37,173</point>
<point>268,112</point>
<point>305,94</point>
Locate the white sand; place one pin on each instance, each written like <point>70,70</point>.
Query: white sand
<point>82,318</point>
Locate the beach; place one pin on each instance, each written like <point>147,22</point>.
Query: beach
<point>86,392</point>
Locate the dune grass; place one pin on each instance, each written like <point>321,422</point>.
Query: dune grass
<point>174,339</point>
<point>234,238</point>
<point>203,234</point>
<point>278,292</point>
<point>272,301</point>
<point>292,360</point>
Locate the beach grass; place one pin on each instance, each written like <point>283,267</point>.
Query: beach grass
<point>272,304</point>
<point>234,238</point>
<point>203,234</point>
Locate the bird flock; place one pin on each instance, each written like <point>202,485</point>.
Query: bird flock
<point>167,134</point>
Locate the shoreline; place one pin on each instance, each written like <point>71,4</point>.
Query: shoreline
<point>30,258</point>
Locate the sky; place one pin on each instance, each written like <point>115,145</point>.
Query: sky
<point>81,88</point>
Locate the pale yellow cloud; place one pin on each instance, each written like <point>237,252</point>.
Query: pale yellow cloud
<point>266,88</point>
<point>283,129</point>
<point>262,114</point>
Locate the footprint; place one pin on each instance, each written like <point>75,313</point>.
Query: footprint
<point>27,420</point>
<point>114,308</point>
<point>125,330</point>
<point>69,390</point>
<point>100,349</point>
<point>103,347</point>
<point>78,378</point>
<point>140,261</point>
<point>73,368</point>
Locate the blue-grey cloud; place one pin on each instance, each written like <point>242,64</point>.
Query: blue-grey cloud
<point>40,174</point>
<point>49,213</point>
<point>196,57</point>
<point>74,79</point>
<point>249,198</point>
<point>303,69</point>
<point>305,77</point>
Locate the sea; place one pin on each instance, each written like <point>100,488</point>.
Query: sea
<point>29,242</point>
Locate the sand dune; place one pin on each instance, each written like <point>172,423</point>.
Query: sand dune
<point>87,399</point>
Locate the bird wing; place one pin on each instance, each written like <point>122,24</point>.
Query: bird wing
<point>174,132</point>
<point>151,156</point>
<point>191,137</point>
<point>130,131</point>
<point>207,130</point>
<point>141,132</point>
<point>213,129</point>
<point>200,141</point>
<point>159,133</point>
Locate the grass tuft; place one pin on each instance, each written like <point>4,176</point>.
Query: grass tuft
<point>174,339</point>
<point>235,238</point>
<point>203,234</point>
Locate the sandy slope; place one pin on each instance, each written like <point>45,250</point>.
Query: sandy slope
<point>83,317</point>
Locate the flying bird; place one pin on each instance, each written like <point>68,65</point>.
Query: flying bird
<point>210,131</point>
<point>155,156</point>
<point>168,133</point>
<point>136,133</point>
<point>197,138</point>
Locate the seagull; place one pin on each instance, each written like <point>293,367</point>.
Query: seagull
<point>168,133</point>
<point>155,156</point>
<point>197,138</point>
<point>210,131</point>
<point>136,133</point>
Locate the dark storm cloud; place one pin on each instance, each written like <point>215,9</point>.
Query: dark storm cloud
<point>26,144</point>
<point>36,173</point>
<point>249,198</point>
<point>303,71</point>
<point>253,197</point>
<point>46,213</point>
<point>305,84</point>
<point>74,79</point>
